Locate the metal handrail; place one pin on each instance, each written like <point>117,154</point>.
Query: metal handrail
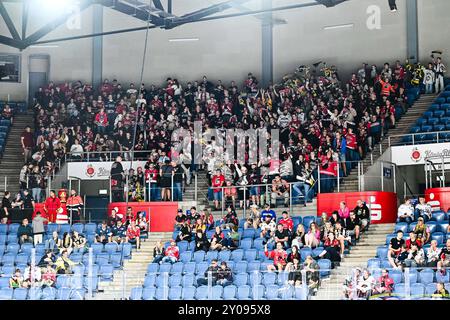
<point>413,136</point>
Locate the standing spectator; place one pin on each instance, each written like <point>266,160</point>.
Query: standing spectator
<point>172,253</point>
<point>217,181</point>
<point>406,212</point>
<point>6,208</point>
<point>439,69</point>
<point>28,204</point>
<point>429,79</point>
<point>166,175</point>
<point>27,142</point>
<point>117,176</point>
<point>74,204</point>
<point>52,204</point>
<point>25,232</point>
<point>38,228</point>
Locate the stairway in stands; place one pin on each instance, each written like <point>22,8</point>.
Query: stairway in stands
<point>350,183</point>
<point>133,272</point>
<point>365,249</point>
<point>12,161</point>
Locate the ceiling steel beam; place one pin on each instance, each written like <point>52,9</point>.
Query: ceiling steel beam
<point>158,5</point>
<point>25,10</point>
<point>330,3</point>
<point>11,42</point>
<point>9,23</point>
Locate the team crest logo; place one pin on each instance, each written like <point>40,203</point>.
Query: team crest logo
<point>416,156</point>
<point>90,171</point>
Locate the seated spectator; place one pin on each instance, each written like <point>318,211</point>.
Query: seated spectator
<point>54,243</point>
<point>384,284</point>
<point>185,232</point>
<point>282,236</point>
<point>325,230</point>
<point>158,252</point>
<point>406,212</point>
<point>64,264</point>
<point>210,274</point>
<point>172,253</point>
<point>441,292</point>
<point>433,254</point>
<point>113,218</point>
<point>254,216</point>
<point>444,261</point>
<point>351,282</point>
<point>129,217</point>
<point>133,235</point>
<point>395,248</point>
<point>32,277</point>
<point>208,219</point>
<point>422,210</point>
<point>323,219</point>
<point>79,242</point>
<point>363,214</point>
<point>268,228</point>
<point>103,233</point>
<point>218,240</point>
<point>118,233</point>
<point>335,218</point>
<point>199,225</point>
<point>365,285</point>
<point>48,276</point>
<point>344,211</point>
<point>268,212</point>
<point>312,237</point>
<point>279,257</point>
<point>413,240</point>
<point>298,238</point>
<point>311,268</point>
<point>353,225</point>
<point>25,232</point>
<point>230,220</point>
<point>294,254</point>
<point>331,250</point>
<point>224,275</point>
<point>180,218</point>
<point>416,257</point>
<point>201,241</point>
<point>16,280</point>
<point>280,190</point>
<point>422,231</point>
<point>48,259</point>
<point>67,243</point>
<point>341,235</point>
<point>287,222</point>
<point>295,275</point>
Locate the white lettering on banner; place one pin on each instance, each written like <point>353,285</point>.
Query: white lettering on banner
<point>412,155</point>
<point>97,170</point>
<point>375,209</point>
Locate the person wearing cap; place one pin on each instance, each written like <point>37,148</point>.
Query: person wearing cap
<point>172,253</point>
<point>38,228</point>
<point>180,218</point>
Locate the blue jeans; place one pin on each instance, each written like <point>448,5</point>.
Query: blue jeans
<point>169,259</point>
<point>418,214</point>
<point>429,88</point>
<point>154,192</point>
<point>407,220</point>
<point>299,186</point>
<point>36,193</point>
<point>177,192</point>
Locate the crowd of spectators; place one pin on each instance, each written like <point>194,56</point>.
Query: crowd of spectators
<point>322,120</point>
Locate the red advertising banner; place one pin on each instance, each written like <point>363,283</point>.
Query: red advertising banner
<point>382,205</point>
<point>162,214</point>
<point>438,198</point>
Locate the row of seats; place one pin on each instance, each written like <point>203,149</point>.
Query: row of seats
<point>417,290</point>
<point>16,106</point>
<point>433,226</point>
<point>88,228</point>
<point>74,281</point>
<point>47,293</point>
<point>232,292</point>
<point>424,275</point>
<point>440,237</point>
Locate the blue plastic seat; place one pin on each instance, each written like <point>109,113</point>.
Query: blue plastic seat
<point>3,228</point>
<point>175,293</point>
<point>13,248</point>
<point>20,294</point>
<point>187,280</point>
<point>150,280</point>
<point>250,255</point>
<point>443,227</point>
<point>136,293</point>
<point>13,227</point>
<point>152,268</point>
<point>243,292</point>
<point>438,216</point>
<point>396,276</point>
<point>438,113</point>
<point>116,260</point>
<point>111,247</point>
<point>248,233</point>
<point>175,280</point>
<point>420,122</point>
<point>201,293</point>
<point>4,282</point>
<point>432,225</point>
<point>269,278</point>
<point>183,246</point>
<point>3,238</point>
<point>412,225</point>
<point>240,267</point>
<point>240,279</point>
<point>403,226</point>
<point>186,256</point>
<point>22,258</point>
<point>426,276</point>
<point>325,267</point>
<point>217,292</point>
<point>399,289</point>
<point>106,272</point>
<point>6,294</point>
<point>126,248</point>
<point>237,255</point>
<point>148,293</point>
<point>439,127</point>
<point>430,288</point>
<point>165,267</point>
<point>12,238</point>
<point>438,236</point>
<point>417,290</point>
<point>304,252</point>
<point>442,278</point>
<point>201,268</point>
<point>78,227</point>
<point>177,268</point>
<point>77,294</point>
<point>9,259</point>
<point>246,243</point>
<point>189,268</point>
<point>64,227</point>
<point>258,244</point>
<point>272,292</point>
<point>373,263</point>
<point>199,256</point>
<point>253,266</point>
<point>229,292</point>
<point>102,258</point>
<point>308,220</point>
<point>413,276</point>
<point>90,228</point>
<point>224,255</point>
<point>439,100</point>
<point>211,255</point>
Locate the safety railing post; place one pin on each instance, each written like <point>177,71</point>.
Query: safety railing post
<point>318,178</point>
<point>339,177</point>
<point>6,183</point>
<point>195,187</point>
<point>290,199</point>
<point>359,176</point>
<point>304,284</point>
<point>394,172</point>
<point>149,190</point>
<point>110,189</point>
<point>382,176</point>
<point>210,285</point>
<point>443,173</point>
<point>90,273</point>
<point>407,284</point>
<point>171,188</point>
<point>222,206</point>
<point>245,202</point>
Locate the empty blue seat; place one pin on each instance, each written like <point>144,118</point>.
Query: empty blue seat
<point>3,228</point>
<point>152,268</point>
<point>175,280</point>
<point>413,276</point>
<point>325,267</point>
<point>248,233</point>
<point>304,252</point>
<point>438,236</point>
<point>149,293</point>
<point>111,247</point>
<point>186,256</point>
<point>6,294</point>
<point>188,293</point>
<point>240,279</point>
<point>199,256</point>
<point>396,276</point>
<point>102,258</point>
<point>229,292</point>
<point>442,278</point>
<point>250,255</point>
<point>9,259</point>
<point>201,268</point>
<point>183,246</point>
<point>211,255</point>
<point>237,255</point>
<point>434,107</point>
<point>282,278</point>
<point>439,100</point>
<point>246,243</point>
<point>272,292</point>
<point>438,216</point>
<point>201,293</point>
<point>438,113</point>
<point>13,227</point>
<point>126,248</point>
<point>426,276</point>
<point>399,289</point>
<point>430,288</point>
<point>224,255</point>
<point>269,278</point>
<point>443,227</point>
<point>417,290</point>
<point>3,238</point>
<point>373,263</point>
<point>412,225</point>
<point>187,280</point>
<point>4,282</point>
<point>403,226</point>
<point>162,280</point>
<point>317,251</point>
<point>240,267</point>
<point>116,260</point>
<point>243,292</point>
<point>177,268</point>
<point>13,248</point>
<point>12,238</point>
<point>106,272</point>
<point>136,293</point>
<point>258,244</point>
<point>64,227</point>
<point>189,268</point>
<point>432,225</point>
<point>22,258</point>
<point>217,292</point>
<point>20,294</point>
<point>429,127</point>
<point>90,228</point>
<point>420,122</point>
<point>97,248</point>
<point>175,293</point>
<point>165,267</point>
<point>149,280</point>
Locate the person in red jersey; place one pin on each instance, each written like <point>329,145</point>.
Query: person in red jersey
<point>133,234</point>
<point>217,181</point>
<point>172,253</point>
<point>279,257</point>
<point>51,205</point>
<point>287,222</point>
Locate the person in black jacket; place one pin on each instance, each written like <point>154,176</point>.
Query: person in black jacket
<point>224,275</point>
<point>363,213</point>
<point>201,242</point>
<point>185,232</point>
<point>117,175</point>
<point>25,232</point>
<point>213,269</point>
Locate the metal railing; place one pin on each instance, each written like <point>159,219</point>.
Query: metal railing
<point>439,136</point>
